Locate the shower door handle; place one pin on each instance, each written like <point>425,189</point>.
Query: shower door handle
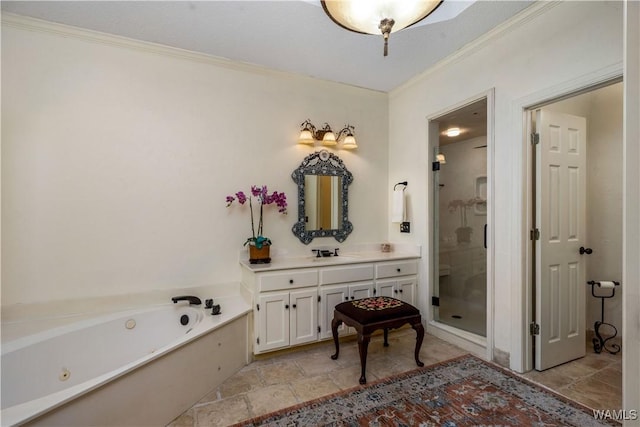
<point>485,236</point>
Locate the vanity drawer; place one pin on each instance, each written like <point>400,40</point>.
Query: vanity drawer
<point>344,274</point>
<point>396,269</point>
<point>287,280</point>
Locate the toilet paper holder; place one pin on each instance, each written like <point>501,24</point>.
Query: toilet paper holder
<point>600,343</point>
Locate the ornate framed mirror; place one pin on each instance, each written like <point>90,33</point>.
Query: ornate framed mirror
<point>323,198</point>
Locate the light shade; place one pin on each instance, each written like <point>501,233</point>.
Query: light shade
<point>329,138</point>
<point>441,159</point>
<point>365,16</point>
<point>306,137</point>
<point>349,143</point>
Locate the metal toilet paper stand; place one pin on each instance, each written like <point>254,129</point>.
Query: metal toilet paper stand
<point>600,343</point>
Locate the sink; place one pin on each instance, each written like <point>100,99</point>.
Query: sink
<point>339,258</point>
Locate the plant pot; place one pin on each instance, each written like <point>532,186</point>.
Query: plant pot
<point>259,256</point>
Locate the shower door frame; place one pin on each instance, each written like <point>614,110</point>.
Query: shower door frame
<point>467,340</point>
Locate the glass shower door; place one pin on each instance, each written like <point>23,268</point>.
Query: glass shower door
<point>460,214</point>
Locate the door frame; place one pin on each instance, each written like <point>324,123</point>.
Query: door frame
<point>471,342</point>
<point>521,359</point>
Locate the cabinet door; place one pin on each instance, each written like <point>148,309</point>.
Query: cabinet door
<point>330,296</point>
<point>406,290</point>
<point>273,321</point>
<point>385,288</point>
<point>360,290</point>
<point>303,316</point>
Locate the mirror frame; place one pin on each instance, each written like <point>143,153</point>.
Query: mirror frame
<point>322,163</point>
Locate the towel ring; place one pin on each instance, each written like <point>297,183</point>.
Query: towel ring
<point>400,183</point>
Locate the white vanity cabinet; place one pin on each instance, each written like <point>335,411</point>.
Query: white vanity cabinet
<point>340,284</point>
<point>295,306</point>
<point>286,310</point>
<point>397,279</point>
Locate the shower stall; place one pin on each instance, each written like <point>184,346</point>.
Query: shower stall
<point>459,295</point>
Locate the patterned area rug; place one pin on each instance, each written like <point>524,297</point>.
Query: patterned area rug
<point>465,391</point>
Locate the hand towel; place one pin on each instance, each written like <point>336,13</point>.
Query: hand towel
<point>397,207</point>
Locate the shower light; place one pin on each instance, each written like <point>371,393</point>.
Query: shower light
<point>451,132</point>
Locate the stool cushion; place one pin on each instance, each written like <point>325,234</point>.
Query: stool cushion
<point>376,309</point>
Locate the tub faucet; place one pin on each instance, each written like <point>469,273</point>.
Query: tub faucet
<point>192,300</point>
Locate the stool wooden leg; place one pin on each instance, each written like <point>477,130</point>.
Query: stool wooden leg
<point>386,337</point>
<point>420,336</point>
<point>334,330</point>
<point>363,345</point>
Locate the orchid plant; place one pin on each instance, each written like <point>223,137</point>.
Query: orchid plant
<point>263,198</point>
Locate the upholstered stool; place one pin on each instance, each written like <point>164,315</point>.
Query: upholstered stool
<point>370,314</point>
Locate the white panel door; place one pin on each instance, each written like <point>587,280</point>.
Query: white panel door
<point>361,290</point>
<point>561,221</point>
<point>304,316</point>
<point>273,320</point>
<point>330,296</point>
<point>406,289</point>
<point>386,288</point>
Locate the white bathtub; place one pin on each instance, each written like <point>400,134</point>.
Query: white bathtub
<point>45,371</point>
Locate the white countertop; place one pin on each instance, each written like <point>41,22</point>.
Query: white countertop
<point>285,263</point>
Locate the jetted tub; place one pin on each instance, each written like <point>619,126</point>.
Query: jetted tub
<point>101,371</point>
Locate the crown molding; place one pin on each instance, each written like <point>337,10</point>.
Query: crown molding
<point>27,23</point>
<point>528,14</point>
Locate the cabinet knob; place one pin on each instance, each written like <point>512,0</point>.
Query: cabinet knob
<point>346,298</point>
<point>294,306</point>
<point>291,281</point>
<point>353,297</point>
<point>286,306</point>
<point>398,270</point>
<point>395,291</point>
<point>400,290</point>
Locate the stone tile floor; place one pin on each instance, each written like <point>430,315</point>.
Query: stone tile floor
<point>594,380</point>
<point>281,379</point>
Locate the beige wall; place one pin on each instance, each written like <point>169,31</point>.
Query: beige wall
<point>117,157</point>
<point>546,49</point>
<point>603,110</point>
<point>631,215</point>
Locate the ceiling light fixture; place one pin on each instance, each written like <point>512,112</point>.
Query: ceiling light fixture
<point>378,16</point>
<point>451,132</point>
<point>309,135</point>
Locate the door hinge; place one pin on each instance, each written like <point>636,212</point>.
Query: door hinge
<point>258,307</point>
<point>535,138</point>
<point>534,328</point>
<point>435,301</point>
<point>374,291</point>
<point>318,298</point>
<point>534,234</point>
<point>435,166</point>
<point>258,340</point>
<point>318,328</point>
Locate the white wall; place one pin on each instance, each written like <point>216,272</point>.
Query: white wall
<point>117,157</point>
<point>603,110</point>
<point>631,215</point>
<point>555,44</point>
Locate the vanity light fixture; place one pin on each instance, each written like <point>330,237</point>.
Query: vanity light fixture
<point>441,159</point>
<point>451,132</point>
<point>310,135</point>
<point>378,16</point>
